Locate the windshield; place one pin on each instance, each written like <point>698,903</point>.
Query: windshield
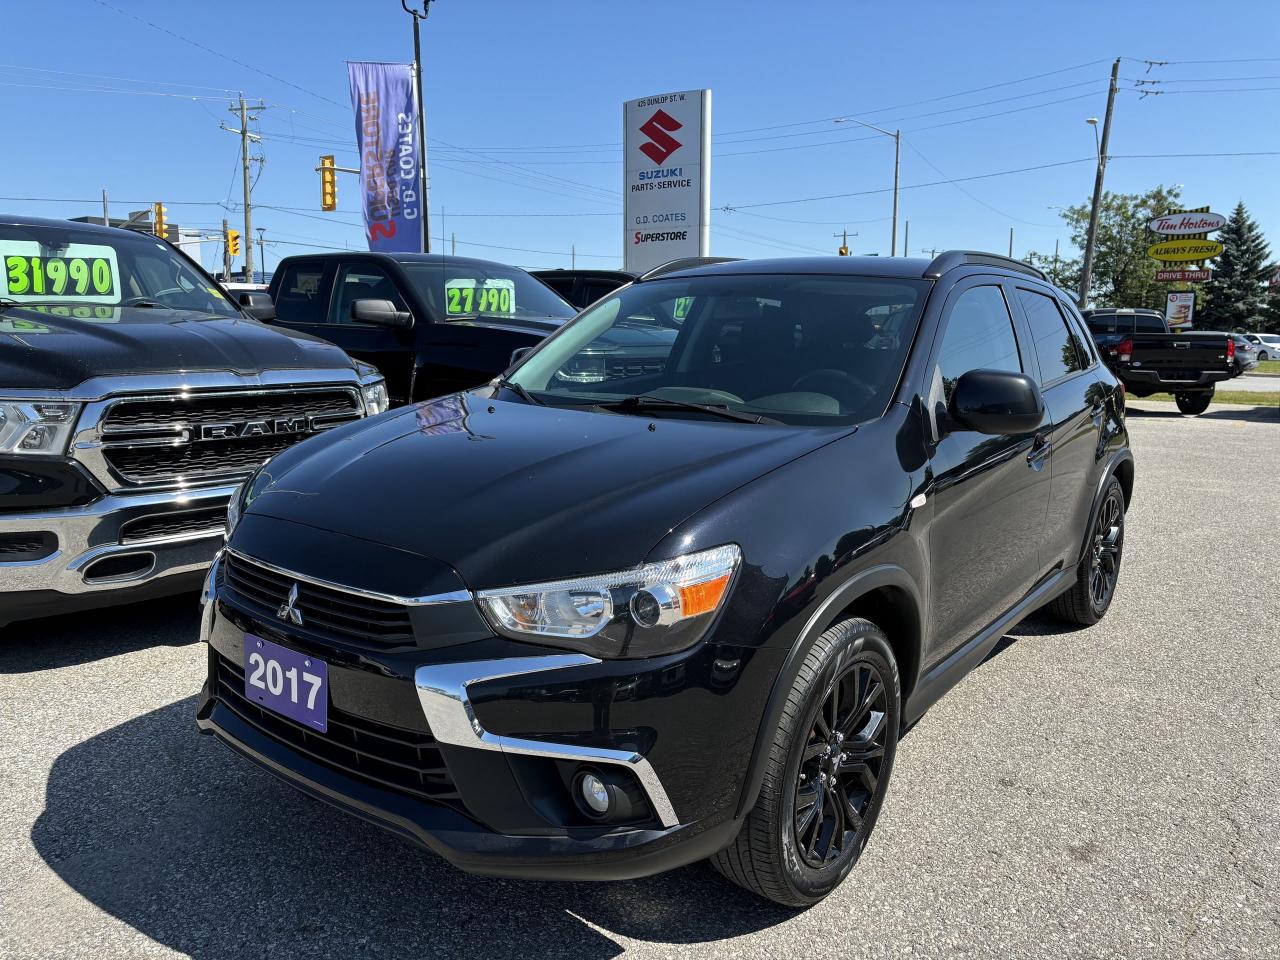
<point>796,349</point>
<point>471,289</point>
<point>90,273</point>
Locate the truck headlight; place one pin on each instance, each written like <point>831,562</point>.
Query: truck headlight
<point>375,397</point>
<point>658,608</point>
<point>36,427</point>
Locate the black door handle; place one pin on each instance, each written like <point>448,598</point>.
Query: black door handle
<point>1040,448</point>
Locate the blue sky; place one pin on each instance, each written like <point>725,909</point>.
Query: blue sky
<point>524,114</point>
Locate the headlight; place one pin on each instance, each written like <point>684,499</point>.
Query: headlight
<point>584,368</point>
<point>245,494</point>
<point>375,397</point>
<point>659,608</point>
<point>36,427</point>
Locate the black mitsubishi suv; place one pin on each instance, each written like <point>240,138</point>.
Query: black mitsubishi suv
<point>597,630</point>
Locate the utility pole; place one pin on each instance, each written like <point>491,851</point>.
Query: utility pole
<point>1086,272</point>
<point>1011,243</point>
<point>1055,259</point>
<point>897,165</point>
<point>226,251</point>
<point>246,137</point>
<point>422,123</point>
<point>906,239</point>
<point>453,244</point>
<point>262,252</point>
<point>573,257</point>
<point>106,213</point>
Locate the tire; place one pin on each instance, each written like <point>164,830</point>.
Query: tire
<point>780,853</point>
<point>1193,404</point>
<point>1263,356</point>
<point>1090,597</point>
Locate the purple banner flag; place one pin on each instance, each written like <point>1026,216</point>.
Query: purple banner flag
<point>386,110</point>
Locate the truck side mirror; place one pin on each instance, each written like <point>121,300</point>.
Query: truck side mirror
<point>997,402</point>
<point>382,313</point>
<point>518,354</point>
<point>257,304</point>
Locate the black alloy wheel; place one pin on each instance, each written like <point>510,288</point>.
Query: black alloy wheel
<point>1098,572</point>
<point>1108,543</point>
<point>827,770</point>
<point>840,767</point>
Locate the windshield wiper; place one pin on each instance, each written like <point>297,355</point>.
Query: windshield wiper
<point>520,391</point>
<point>645,402</point>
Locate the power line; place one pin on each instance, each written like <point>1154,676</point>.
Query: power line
<point>970,195</point>
<point>913,186</point>
<point>100,76</point>
<point>217,53</point>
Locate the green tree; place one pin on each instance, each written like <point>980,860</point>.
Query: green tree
<point>1123,274</point>
<point>1237,294</point>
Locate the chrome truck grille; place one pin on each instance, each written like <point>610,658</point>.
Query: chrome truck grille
<point>210,436</point>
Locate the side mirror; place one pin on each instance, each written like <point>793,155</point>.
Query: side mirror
<point>257,304</point>
<point>997,402</point>
<point>383,313</point>
<point>518,354</point>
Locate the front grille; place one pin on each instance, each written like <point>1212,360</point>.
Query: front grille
<point>20,547</point>
<point>326,612</point>
<point>174,524</point>
<point>149,440</point>
<point>634,366</point>
<point>392,758</point>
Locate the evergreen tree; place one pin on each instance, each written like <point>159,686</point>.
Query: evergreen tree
<point>1237,294</point>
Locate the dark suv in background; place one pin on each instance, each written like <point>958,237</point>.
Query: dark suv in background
<point>595,630</point>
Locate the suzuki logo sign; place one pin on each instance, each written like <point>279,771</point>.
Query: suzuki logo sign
<point>658,129</point>
<point>667,186</point>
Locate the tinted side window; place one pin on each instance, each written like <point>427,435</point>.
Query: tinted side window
<point>979,336</point>
<point>301,297</point>
<point>362,281</point>
<point>1084,342</point>
<point>1055,345</point>
<point>1148,324</point>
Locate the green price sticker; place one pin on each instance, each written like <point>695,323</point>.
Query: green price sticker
<point>464,296</point>
<point>78,272</point>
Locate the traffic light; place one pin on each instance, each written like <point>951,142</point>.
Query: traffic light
<point>843,251</point>
<point>328,184</point>
<point>233,242</point>
<point>159,226</point>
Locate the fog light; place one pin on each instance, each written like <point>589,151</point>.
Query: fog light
<point>594,793</point>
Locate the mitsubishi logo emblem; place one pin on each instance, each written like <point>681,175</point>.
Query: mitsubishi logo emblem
<point>289,610</point>
<point>661,143</point>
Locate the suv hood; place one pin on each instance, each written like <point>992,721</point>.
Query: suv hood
<point>43,351</point>
<point>510,493</point>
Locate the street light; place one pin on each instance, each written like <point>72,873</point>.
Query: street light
<point>422,123</point>
<point>1097,146</point>
<point>897,166</point>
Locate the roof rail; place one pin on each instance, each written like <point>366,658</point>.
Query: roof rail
<point>955,258</point>
<point>684,263</point>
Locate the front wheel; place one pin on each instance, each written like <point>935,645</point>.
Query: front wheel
<point>1193,403</point>
<point>827,771</point>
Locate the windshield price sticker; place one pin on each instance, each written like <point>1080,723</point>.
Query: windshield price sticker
<point>71,274</point>
<point>463,296</point>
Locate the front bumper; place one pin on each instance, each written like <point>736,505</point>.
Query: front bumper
<point>96,561</point>
<point>511,724</point>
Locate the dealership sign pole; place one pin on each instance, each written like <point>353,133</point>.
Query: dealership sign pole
<point>667,181</point>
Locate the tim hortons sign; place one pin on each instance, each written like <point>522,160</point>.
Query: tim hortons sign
<point>1187,223</point>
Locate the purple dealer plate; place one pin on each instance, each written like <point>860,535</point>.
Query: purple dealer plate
<point>288,683</point>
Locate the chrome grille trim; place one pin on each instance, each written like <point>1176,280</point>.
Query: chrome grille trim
<point>456,596</point>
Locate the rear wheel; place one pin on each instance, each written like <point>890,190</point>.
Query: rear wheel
<point>1263,355</point>
<point>827,771</point>
<point>1193,403</point>
<point>1088,600</point>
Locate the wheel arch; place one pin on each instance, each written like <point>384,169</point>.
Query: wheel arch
<point>887,596</point>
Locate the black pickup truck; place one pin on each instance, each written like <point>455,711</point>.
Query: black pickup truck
<point>1150,358</point>
<point>432,324</point>
<point>134,399</point>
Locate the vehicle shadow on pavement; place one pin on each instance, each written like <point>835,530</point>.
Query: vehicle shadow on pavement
<point>1261,413</point>
<point>197,849</point>
<point>76,638</point>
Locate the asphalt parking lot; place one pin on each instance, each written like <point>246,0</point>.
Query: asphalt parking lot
<point>1111,792</point>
